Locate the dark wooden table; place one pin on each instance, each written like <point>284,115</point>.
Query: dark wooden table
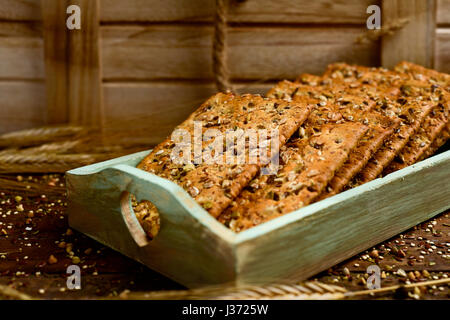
<point>37,246</point>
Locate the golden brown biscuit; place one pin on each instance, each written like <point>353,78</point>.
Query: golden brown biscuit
<point>437,143</point>
<point>438,79</point>
<point>417,145</point>
<point>412,113</point>
<point>214,185</point>
<point>336,104</point>
<point>309,163</point>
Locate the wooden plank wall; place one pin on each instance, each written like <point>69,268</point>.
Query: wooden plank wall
<point>414,42</point>
<point>72,63</point>
<point>22,89</point>
<point>156,54</point>
<point>442,48</point>
<point>157,58</point>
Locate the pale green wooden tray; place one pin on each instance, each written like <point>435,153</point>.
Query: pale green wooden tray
<point>194,249</point>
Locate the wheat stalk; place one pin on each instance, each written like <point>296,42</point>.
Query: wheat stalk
<point>376,34</point>
<point>29,187</point>
<point>58,149</point>
<point>396,287</point>
<point>62,159</point>
<point>308,290</point>
<point>44,163</point>
<point>313,290</point>
<point>9,292</point>
<point>53,147</point>
<point>40,135</point>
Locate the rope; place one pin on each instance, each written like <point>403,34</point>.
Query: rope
<point>386,30</point>
<point>221,75</point>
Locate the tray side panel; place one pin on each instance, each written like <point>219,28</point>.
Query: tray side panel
<point>335,232</point>
<point>131,160</point>
<point>185,250</point>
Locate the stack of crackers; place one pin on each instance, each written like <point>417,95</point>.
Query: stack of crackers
<point>349,126</point>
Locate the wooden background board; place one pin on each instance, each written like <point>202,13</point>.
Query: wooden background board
<point>159,105</point>
<point>22,106</point>
<point>149,48</point>
<point>281,11</point>
<point>415,41</point>
<point>284,11</point>
<point>443,12</point>
<point>72,61</point>
<point>442,48</point>
<point>442,57</point>
<point>184,52</point>
<point>56,57</point>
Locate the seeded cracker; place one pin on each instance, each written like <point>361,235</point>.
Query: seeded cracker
<point>417,145</point>
<point>214,186</point>
<point>413,111</point>
<point>359,156</point>
<point>382,80</point>
<point>391,102</point>
<point>422,73</point>
<point>379,78</point>
<point>148,216</point>
<point>309,163</point>
<point>336,104</point>
<point>439,142</point>
<point>438,79</point>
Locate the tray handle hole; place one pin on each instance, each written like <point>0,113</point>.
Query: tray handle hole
<point>148,216</point>
<point>141,218</point>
